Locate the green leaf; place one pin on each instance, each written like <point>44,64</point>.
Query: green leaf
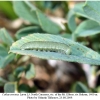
<point>11,77</point>
<point>25,12</point>
<point>47,25</point>
<point>71,20</point>
<point>24,88</point>
<point>30,71</point>
<point>3,51</point>
<point>67,35</point>
<point>78,9</point>
<point>10,87</point>
<point>2,81</point>
<point>5,58</point>
<point>28,30</point>
<point>55,47</point>
<point>80,88</point>
<point>18,71</point>
<point>29,12</point>
<point>5,37</point>
<point>87,28</point>
<point>91,8</point>
<point>8,9</point>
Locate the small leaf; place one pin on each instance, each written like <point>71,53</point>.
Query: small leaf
<point>4,61</point>
<point>30,71</point>
<point>91,8</point>
<point>3,51</point>
<point>29,12</point>
<point>11,77</point>
<point>28,30</point>
<point>87,28</point>
<point>10,87</point>
<point>5,37</point>
<point>81,88</point>
<point>71,20</point>
<point>78,9</point>
<point>2,81</point>
<point>48,46</point>
<point>8,59</point>
<point>24,88</point>
<point>18,71</point>
<point>5,58</point>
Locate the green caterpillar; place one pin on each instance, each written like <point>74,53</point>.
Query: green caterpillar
<point>47,46</point>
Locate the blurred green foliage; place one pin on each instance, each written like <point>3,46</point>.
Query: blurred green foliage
<point>7,8</point>
<point>82,26</point>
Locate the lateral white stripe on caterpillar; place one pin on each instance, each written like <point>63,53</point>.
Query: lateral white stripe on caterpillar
<point>46,46</point>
